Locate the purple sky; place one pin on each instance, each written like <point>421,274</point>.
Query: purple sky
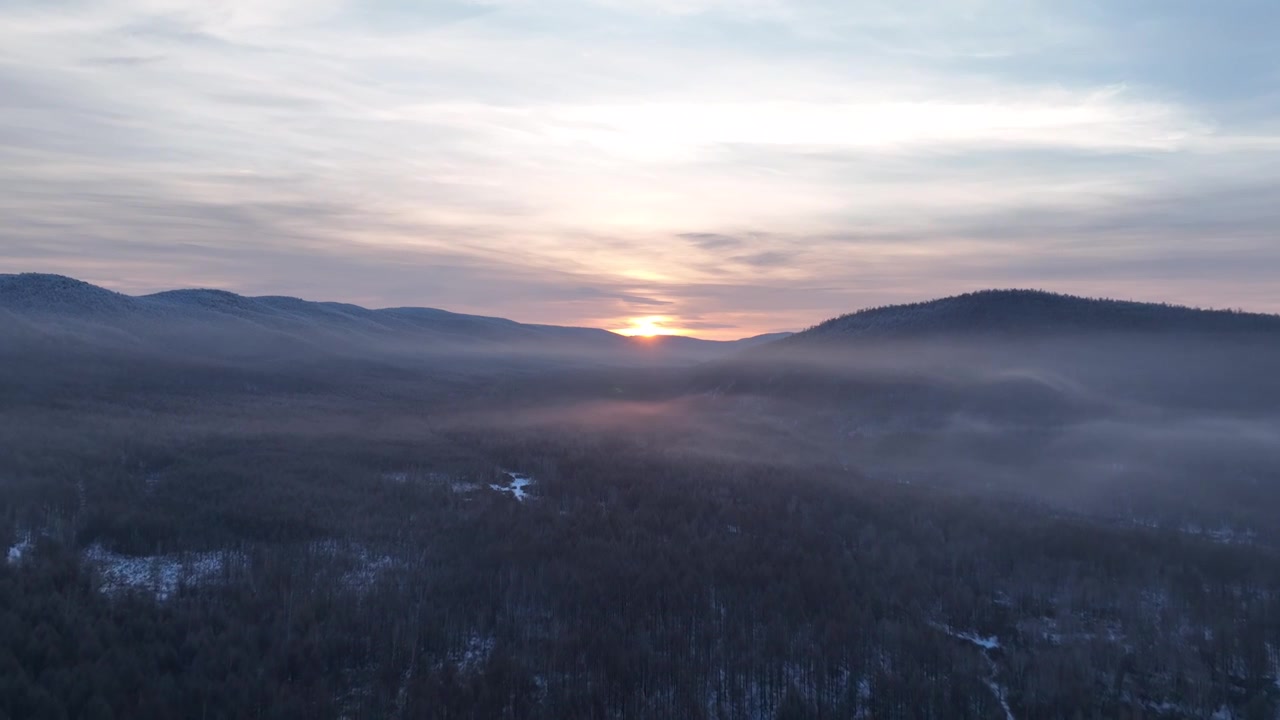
<point>720,167</point>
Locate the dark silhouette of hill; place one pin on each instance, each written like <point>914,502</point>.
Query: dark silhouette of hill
<point>1017,356</point>
<point>1030,312</point>
<point>56,294</point>
<point>66,309</point>
<point>696,348</point>
<point>288,312</point>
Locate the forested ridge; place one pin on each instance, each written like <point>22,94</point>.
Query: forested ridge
<point>1033,311</point>
<point>631,584</point>
<point>192,538</point>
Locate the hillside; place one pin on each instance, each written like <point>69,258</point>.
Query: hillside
<point>35,293</point>
<point>66,309</point>
<point>1030,312</point>
<point>234,503</point>
<point>1017,358</point>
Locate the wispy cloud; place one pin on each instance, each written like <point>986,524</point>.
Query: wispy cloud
<point>743,165</point>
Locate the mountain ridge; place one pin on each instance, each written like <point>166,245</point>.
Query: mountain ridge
<point>1003,313</point>
<point>1027,312</point>
<point>58,301</point>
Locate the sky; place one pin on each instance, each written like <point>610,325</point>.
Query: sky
<point>719,168</point>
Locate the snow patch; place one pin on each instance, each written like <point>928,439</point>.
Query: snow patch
<point>472,656</point>
<point>987,644</point>
<point>161,575</point>
<point>368,569</point>
<point>864,699</point>
<point>362,567</point>
<point>403,477</point>
<point>516,484</point>
<point>1223,534</point>
<point>998,690</point>
<point>21,548</point>
<point>984,642</point>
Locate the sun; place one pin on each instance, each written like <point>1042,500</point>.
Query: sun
<point>650,326</point>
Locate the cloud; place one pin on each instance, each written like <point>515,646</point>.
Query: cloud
<point>744,165</point>
<point>124,60</point>
<point>711,241</point>
<point>629,299</point>
<point>764,259</point>
<point>703,325</point>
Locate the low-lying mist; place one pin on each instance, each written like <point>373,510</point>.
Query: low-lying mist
<point>1080,524</point>
<point>1141,426</point>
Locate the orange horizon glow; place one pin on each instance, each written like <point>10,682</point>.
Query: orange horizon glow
<point>650,326</point>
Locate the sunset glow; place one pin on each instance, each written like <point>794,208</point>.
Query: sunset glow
<point>648,327</point>
<point>554,359</point>
<point>680,177</point>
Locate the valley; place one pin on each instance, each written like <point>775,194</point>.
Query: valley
<point>981,522</point>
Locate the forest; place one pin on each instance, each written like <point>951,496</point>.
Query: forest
<point>894,528</point>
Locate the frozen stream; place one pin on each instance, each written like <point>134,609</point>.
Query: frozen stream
<point>986,645</point>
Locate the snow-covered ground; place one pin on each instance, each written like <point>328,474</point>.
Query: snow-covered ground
<point>864,699</point>
<point>982,641</point>
<point>23,546</point>
<point>986,644</point>
<point>158,574</point>
<point>515,485</point>
<point>1223,534</point>
<point>473,657</point>
<point>401,477</point>
<point>360,566</point>
<point>162,575</point>
<point>1076,630</point>
<point>367,567</point>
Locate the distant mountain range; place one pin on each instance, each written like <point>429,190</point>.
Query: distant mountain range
<point>1002,353</point>
<point>45,305</point>
<point>55,306</point>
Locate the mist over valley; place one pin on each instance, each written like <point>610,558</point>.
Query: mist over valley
<point>1005,503</point>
